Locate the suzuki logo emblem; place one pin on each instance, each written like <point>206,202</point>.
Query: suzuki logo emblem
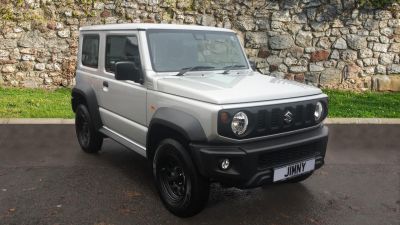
<point>288,117</point>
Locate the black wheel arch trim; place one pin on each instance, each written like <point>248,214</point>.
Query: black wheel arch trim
<point>89,96</point>
<point>182,122</point>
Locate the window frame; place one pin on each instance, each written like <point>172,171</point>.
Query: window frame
<point>105,49</point>
<point>84,36</point>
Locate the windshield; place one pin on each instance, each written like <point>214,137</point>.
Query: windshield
<point>173,50</point>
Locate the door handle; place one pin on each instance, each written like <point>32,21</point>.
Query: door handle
<point>105,86</point>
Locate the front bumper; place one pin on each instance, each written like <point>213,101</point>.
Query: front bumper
<point>252,163</point>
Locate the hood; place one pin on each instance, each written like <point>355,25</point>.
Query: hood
<point>233,88</point>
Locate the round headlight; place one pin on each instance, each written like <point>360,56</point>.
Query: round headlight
<point>319,109</point>
<point>239,123</point>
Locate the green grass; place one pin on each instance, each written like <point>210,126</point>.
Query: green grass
<point>38,103</point>
<point>363,105</point>
<point>35,103</point>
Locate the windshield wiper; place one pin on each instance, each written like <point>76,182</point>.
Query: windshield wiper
<point>187,69</point>
<point>228,68</point>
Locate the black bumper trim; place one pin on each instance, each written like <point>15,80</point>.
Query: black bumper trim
<point>248,165</point>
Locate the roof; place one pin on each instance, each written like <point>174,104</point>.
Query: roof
<point>146,26</point>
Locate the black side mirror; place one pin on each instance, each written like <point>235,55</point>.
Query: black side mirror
<point>128,71</point>
<point>253,65</point>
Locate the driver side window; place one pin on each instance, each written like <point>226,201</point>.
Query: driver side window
<point>121,49</point>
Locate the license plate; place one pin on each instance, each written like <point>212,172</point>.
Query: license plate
<point>293,170</point>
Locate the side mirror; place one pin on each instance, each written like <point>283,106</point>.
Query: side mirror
<point>128,71</point>
<point>253,65</point>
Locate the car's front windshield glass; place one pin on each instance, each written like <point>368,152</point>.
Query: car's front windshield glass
<point>174,50</point>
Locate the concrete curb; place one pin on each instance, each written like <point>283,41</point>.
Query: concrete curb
<point>362,121</point>
<point>39,121</point>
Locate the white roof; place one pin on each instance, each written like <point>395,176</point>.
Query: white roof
<point>145,26</point>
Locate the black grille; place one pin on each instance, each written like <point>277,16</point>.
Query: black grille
<point>285,156</point>
<point>270,119</point>
<point>273,120</point>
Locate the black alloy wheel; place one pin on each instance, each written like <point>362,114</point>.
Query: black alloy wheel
<point>173,180</point>
<point>183,191</point>
<point>89,138</point>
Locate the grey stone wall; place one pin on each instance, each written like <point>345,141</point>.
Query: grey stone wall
<point>328,43</point>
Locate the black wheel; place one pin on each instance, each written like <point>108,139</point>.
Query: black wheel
<point>89,138</point>
<point>296,179</point>
<point>183,191</point>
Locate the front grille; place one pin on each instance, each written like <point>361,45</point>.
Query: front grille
<point>285,156</point>
<point>272,119</point>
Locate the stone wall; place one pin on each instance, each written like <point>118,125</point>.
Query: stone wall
<point>329,43</point>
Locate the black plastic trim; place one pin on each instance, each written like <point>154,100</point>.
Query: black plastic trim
<point>89,96</point>
<point>184,123</point>
<point>246,170</point>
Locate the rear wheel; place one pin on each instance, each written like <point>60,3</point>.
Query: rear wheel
<point>183,191</point>
<point>89,138</point>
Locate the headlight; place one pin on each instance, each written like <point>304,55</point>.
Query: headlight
<point>239,123</point>
<point>319,109</point>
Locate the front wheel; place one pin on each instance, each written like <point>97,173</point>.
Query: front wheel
<point>183,191</point>
<point>89,138</point>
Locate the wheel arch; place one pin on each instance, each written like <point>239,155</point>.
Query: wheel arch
<point>87,96</point>
<point>173,123</point>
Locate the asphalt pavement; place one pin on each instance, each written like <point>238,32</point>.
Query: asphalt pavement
<point>46,179</point>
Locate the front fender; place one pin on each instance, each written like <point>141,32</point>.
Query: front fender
<point>184,123</point>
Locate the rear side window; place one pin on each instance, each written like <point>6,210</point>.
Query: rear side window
<point>121,48</point>
<point>90,51</point>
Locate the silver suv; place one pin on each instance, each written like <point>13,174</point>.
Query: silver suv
<point>187,99</point>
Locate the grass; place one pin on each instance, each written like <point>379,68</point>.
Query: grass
<point>38,103</point>
<point>35,103</point>
<point>363,105</point>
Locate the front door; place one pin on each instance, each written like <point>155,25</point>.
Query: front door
<point>123,103</point>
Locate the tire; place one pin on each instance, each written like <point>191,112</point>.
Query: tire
<point>297,179</point>
<point>89,138</point>
<point>183,191</point>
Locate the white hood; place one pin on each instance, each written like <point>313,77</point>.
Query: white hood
<point>233,88</point>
